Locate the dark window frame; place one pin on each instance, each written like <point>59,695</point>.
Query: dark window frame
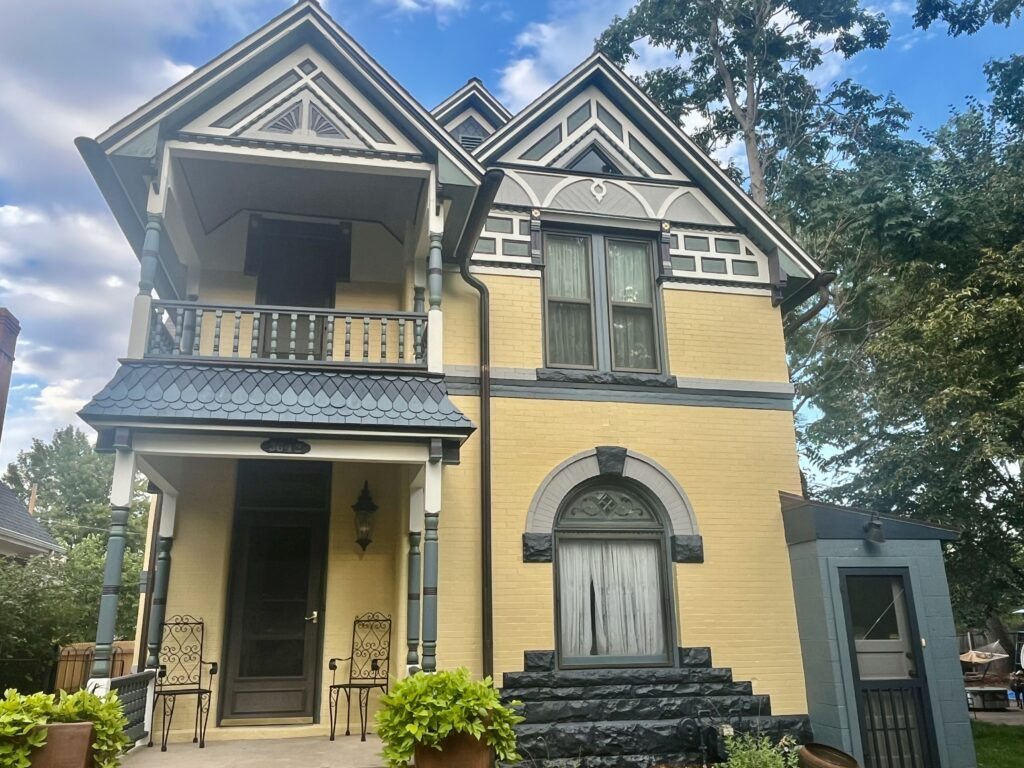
<point>604,531</point>
<point>602,353</point>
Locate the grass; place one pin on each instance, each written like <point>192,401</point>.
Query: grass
<point>998,746</point>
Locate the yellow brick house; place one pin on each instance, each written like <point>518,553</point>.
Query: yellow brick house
<point>516,382</point>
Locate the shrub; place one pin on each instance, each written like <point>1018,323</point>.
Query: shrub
<point>23,718</point>
<point>424,709</point>
<point>756,751</point>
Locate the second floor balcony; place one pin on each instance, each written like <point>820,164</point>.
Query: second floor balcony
<point>287,335</point>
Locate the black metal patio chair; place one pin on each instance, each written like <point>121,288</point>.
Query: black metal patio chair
<point>181,674</point>
<point>369,668</point>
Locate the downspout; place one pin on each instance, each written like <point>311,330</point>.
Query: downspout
<point>474,225</point>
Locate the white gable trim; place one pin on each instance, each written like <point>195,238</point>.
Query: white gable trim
<point>712,173</point>
<point>449,109</point>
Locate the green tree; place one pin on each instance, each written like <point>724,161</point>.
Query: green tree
<point>917,382</point>
<point>73,488</point>
<point>745,66</point>
<point>967,16</point>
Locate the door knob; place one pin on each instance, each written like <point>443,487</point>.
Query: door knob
<point>314,617</point>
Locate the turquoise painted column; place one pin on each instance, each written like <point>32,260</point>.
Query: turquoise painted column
<point>430,523</point>
<point>158,612</point>
<point>120,500</point>
<point>413,656</point>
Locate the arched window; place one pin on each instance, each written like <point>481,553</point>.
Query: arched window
<point>612,577</point>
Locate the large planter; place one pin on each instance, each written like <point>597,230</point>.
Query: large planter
<point>460,750</point>
<point>823,756</point>
<point>68,745</point>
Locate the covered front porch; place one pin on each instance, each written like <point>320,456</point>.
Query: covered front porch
<point>270,752</point>
<point>268,539</point>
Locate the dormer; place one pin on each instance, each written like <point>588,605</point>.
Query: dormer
<point>471,114</point>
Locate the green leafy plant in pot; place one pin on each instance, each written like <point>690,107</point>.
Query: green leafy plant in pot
<point>446,719</point>
<point>79,728</point>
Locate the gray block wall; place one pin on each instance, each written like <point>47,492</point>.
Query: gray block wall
<point>828,668</point>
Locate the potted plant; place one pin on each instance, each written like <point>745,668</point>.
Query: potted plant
<point>78,729</point>
<point>445,719</point>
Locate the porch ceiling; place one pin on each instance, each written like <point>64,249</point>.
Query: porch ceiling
<point>251,395</point>
<point>220,189</point>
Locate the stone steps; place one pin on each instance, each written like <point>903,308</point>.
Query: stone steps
<point>637,717</point>
<point>643,708</point>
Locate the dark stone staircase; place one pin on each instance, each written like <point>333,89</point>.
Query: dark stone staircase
<point>635,718</point>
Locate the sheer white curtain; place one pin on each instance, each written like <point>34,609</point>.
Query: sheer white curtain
<point>570,339</point>
<point>610,598</point>
<point>632,298</point>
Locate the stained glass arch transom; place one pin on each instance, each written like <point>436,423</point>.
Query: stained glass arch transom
<point>609,505</point>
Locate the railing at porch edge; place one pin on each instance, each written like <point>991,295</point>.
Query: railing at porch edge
<point>135,692</point>
<point>186,329</point>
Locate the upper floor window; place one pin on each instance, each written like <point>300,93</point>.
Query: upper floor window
<point>600,303</point>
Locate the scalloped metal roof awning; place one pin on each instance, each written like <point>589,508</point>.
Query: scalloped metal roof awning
<point>185,393</point>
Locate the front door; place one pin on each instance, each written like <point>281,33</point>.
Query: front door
<point>276,599</point>
<point>892,692</point>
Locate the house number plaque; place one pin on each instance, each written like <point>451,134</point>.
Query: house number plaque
<point>289,445</point>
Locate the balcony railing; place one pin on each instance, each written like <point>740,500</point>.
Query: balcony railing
<point>187,329</point>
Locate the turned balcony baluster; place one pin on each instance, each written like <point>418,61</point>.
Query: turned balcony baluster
<point>289,335</point>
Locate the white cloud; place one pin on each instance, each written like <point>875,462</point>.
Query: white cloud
<point>69,278</point>
<point>546,51</point>
<point>442,9</point>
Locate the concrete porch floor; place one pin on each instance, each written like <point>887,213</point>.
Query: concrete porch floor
<point>345,752</point>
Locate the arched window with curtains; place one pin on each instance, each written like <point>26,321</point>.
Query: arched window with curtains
<point>614,601</point>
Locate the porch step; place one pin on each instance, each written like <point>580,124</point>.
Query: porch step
<point>544,661</point>
<point>680,760</point>
<point>638,676</point>
<point>643,708</point>
<point>655,738</point>
<point>622,691</point>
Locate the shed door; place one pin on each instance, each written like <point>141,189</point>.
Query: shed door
<point>892,693</point>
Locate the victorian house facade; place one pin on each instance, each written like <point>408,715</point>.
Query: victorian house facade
<point>546,347</point>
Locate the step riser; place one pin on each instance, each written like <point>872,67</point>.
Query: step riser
<point>583,677</point>
<point>546,661</point>
<point>566,740</point>
<point>679,760</point>
<point>570,710</point>
<point>668,690</point>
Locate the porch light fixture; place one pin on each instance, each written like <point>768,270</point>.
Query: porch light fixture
<point>873,530</point>
<point>364,509</point>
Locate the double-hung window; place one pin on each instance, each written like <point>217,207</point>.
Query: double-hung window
<point>601,309</point>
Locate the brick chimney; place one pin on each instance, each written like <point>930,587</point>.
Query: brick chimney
<point>9,330</point>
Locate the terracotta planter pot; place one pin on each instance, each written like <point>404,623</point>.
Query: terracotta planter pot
<point>68,745</point>
<point>460,750</point>
<point>821,756</point>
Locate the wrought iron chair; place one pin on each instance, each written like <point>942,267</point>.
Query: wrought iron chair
<point>181,674</point>
<point>369,667</point>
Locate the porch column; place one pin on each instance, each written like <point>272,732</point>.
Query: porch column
<point>435,327</point>
<point>431,518</point>
<point>143,306</point>
<point>120,503</point>
<point>161,579</point>
<point>413,656</point>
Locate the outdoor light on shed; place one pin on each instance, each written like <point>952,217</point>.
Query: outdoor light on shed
<point>364,509</point>
<point>873,530</point>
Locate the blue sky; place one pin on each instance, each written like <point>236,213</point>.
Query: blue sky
<point>72,67</point>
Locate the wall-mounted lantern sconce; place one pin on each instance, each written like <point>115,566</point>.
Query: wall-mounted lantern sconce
<point>873,530</point>
<point>364,509</point>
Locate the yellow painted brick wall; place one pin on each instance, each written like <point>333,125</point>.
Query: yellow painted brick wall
<point>709,335</point>
<point>724,336</point>
<point>730,462</point>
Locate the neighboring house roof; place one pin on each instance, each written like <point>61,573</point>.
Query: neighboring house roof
<point>473,95</point>
<point>279,397</point>
<point>600,71</point>
<point>19,529</point>
<point>807,520</point>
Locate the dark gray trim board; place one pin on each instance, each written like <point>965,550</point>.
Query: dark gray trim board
<point>539,548</point>
<point>550,390</point>
<point>812,521</point>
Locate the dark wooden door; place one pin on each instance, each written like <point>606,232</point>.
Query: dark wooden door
<point>897,728</point>
<point>276,601</point>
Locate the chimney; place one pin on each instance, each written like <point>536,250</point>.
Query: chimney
<point>33,495</point>
<point>9,330</point>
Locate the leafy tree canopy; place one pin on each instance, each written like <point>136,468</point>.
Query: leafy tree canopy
<point>967,16</point>
<point>73,488</point>
<point>745,67</point>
